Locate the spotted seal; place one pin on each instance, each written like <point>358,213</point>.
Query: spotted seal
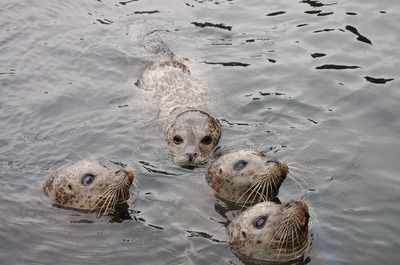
<point>271,231</point>
<point>246,176</point>
<point>183,101</point>
<point>88,185</point>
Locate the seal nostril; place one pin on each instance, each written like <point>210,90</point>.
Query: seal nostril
<point>191,157</point>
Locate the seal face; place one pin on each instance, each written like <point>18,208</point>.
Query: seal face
<point>88,185</point>
<point>182,100</point>
<point>192,136</point>
<point>246,176</point>
<point>271,231</point>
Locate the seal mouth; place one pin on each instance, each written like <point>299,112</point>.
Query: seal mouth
<point>116,193</point>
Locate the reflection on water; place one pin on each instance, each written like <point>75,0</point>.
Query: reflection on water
<point>314,82</point>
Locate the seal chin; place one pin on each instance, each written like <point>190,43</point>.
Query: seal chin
<point>184,161</point>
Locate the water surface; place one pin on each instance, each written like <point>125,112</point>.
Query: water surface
<point>315,83</point>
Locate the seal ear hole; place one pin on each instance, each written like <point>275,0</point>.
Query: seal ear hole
<point>220,171</point>
<point>239,165</point>
<point>206,140</point>
<point>178,140</point>
<point>69,187</point>
<point>260,222</point>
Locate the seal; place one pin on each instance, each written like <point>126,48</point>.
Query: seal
<point>246,176</point>
<point>271,231</point>
<point>190,131</point>
<point>88,185</point>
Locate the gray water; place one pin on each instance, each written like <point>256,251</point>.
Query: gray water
<point>315,83</point>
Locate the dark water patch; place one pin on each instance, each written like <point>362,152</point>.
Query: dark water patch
<point>313,121</point>
<point>228,63</point>
<point>271,93</point>
<point>312,12</point>
<point>302,25</point>
<point>250,40</point>
<point>351,13</point>
<point>213,25</point>
<point>316,3</point>
<point>383,12</point>
<point>127,2</point>
<point>336,67</point>
<point>276,13</point>
<point>119,163</point>
<point>271,60</point>
<point>325,14</point>
<point>234,123</point>
<point>7,73</point>
<point>203,235</point>
<point>105,21</point>
<point>83,221</point>
<point>317,55</point>
<point>359,36</point>
<point>162,172</point>
<point>147,12</point>
<point>323,30</point>
<point>156,227</point>
<point>378,80</point>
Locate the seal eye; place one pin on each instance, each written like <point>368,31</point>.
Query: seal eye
<point>206,140</point>
<point>178,139</point>
<point>239,165</point>
<point>88,179</point>
<point>260,222</point>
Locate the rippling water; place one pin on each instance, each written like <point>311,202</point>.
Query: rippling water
<point>314,82</point>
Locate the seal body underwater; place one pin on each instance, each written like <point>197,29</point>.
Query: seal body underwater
<point>246,176</point>
<point>190,131</point>
<point>88,185</point>
<point>271,231</point>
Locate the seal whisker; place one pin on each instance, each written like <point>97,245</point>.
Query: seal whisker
<point>298,183</point>
<point>102,197</point>
<point>248,190</point>
<point>110,200</point>
<point>105,202</point>
<point>298,175</point>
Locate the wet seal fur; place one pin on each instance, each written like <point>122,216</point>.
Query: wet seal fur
<point>190,131</point>
<point>270,231</point>
<point>88,185</point>
<point>246,176</point>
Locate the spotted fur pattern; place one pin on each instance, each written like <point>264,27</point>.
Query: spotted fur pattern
<point>271,231</point>
<point>65,186</point>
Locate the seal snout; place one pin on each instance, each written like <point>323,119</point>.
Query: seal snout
<point>191,157</point>
<point>128,176</point>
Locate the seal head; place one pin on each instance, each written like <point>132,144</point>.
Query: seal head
<point>88,185</point>
<point>191,136</point>
<point>246,176</point>
<point>271,231</point>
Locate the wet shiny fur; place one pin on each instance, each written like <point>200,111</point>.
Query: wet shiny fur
<point>183,101</point>
<point>246,176</point>
<point>271,231</point>
<point>88,185</point>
